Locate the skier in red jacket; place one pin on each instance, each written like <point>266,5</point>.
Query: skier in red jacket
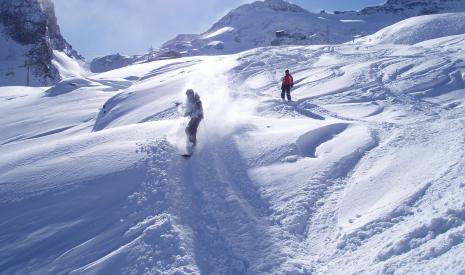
<point>287,84</point>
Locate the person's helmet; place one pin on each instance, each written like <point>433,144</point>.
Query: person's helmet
<point>190,92</point>
<point>287,71</point>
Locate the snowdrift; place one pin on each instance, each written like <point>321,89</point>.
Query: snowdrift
<point>418,29</point>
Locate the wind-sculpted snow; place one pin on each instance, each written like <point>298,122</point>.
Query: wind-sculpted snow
<point>418,29</point>
<point>361,172</point>
<point>308,142</point>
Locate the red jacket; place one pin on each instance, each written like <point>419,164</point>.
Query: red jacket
<point>288,80</point>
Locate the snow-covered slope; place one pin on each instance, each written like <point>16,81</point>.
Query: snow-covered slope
<point>30,38</point>
<point>362,172</point>
<point>418,29</point>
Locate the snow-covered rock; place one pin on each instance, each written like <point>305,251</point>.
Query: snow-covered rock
<point>111,62</point>
<point>30,34</point>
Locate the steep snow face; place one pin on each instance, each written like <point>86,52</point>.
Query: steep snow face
<point>362,172</point>
<point>418,29</point>
<point>32,24</point>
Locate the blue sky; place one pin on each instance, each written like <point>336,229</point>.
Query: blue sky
<point>101,27</point>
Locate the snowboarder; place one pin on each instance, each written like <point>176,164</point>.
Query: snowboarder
<point>194,110</point>
<point>286,85</point>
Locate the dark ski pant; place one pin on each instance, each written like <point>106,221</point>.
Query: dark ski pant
<point>191,129</point>
<point>286,89</point>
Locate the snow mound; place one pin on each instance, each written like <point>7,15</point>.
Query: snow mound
<point>418,29</point>
<point>69,85</point>
<point>308,142</point>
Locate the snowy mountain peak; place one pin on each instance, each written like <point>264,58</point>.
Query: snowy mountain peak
<point>256,7</point>
<point>277,5</point>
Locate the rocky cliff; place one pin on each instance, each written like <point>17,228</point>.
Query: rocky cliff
<point>32,24</point>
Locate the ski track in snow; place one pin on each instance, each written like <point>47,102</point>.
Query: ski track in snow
<point>317,185</point>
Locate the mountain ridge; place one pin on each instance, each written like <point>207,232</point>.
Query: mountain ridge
<point>267,23</point>
<point>409,8</point>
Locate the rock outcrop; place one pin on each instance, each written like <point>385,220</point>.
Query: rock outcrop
<point>33,24</point>
<point>410,8</point>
